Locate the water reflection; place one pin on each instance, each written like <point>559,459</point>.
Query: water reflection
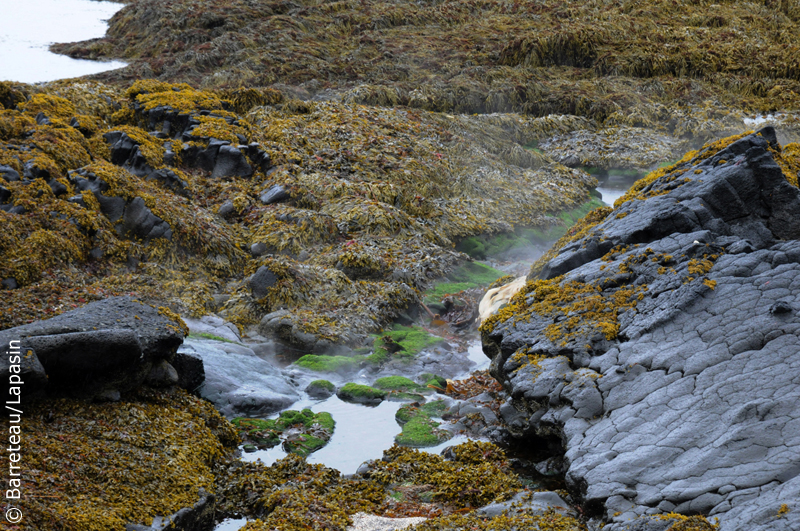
<point>613,184</point>
<point>28,28</point>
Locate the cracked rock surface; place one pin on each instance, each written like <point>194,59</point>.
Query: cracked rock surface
<point>662,348</point>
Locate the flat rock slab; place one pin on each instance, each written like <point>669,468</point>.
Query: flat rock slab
<point>693,406</point>
<point>238,382</point>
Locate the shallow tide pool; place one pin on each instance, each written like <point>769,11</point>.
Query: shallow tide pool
<point>28,28</point>
<point>362,432</point>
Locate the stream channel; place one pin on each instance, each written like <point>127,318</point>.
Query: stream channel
<point>364,432</point>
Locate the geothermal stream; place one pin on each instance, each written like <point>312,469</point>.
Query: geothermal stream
<point>364,432</point>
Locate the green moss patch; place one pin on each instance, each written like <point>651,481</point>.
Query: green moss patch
<point>320,389</point>
<point>421,431</point>
<point>402,341</point>
<point>362,394</point>
<point>466,276</point>
<point>433,381</point>
<point>322,363</point>
<point>302,432</point>
<point>205,335</point>
<point>398,383</point>
<point>436,409</point>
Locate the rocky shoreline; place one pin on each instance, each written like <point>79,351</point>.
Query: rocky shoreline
<point>658,345</point>
<point>278,207</point>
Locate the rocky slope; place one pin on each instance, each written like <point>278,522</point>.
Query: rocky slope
<point>659,345</point>
<point>248,203</point>
<point>648,77</point>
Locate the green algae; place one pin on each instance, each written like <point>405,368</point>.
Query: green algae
<point>302,432</point>
<point>321,384</point>
<point>433,381</point>
<point>421,431</point>
<point>353,392</point>
<point>468,275</point>
<point>206,335</point>
<point>435,408</point>
<point>330,364</point>
<point>419,428</point>
<point>397,383</point>
<point>402,341</point>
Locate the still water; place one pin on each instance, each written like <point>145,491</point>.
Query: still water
<point>28,27</point>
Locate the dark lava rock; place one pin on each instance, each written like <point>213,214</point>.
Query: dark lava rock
<point>231,162</point>
<point>8,173</point>
<point>139,221</point>
<point>130,218</point>
<point>169,179</point>
<point>111,344</point>
<point>693,404</point>
<point>275,194</point>
<point>191,372</point>
<point>257,249</point>
<point>226,209</point>
<point>261,281</point>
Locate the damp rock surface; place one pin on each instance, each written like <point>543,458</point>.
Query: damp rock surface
<point>239,382</point>
<point>111,344</point>
<point>662,346</point>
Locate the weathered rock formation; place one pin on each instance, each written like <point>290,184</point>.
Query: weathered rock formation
<point>661,346</point>
<point>96,351</point>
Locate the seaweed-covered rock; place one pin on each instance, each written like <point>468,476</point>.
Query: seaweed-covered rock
<point>107,345</point>
<point>659,343</point>
<point>419,429</point>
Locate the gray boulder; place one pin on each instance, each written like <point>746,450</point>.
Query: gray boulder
<point>237,381</point>
<point>667,365</point>
<point>109,345</point>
